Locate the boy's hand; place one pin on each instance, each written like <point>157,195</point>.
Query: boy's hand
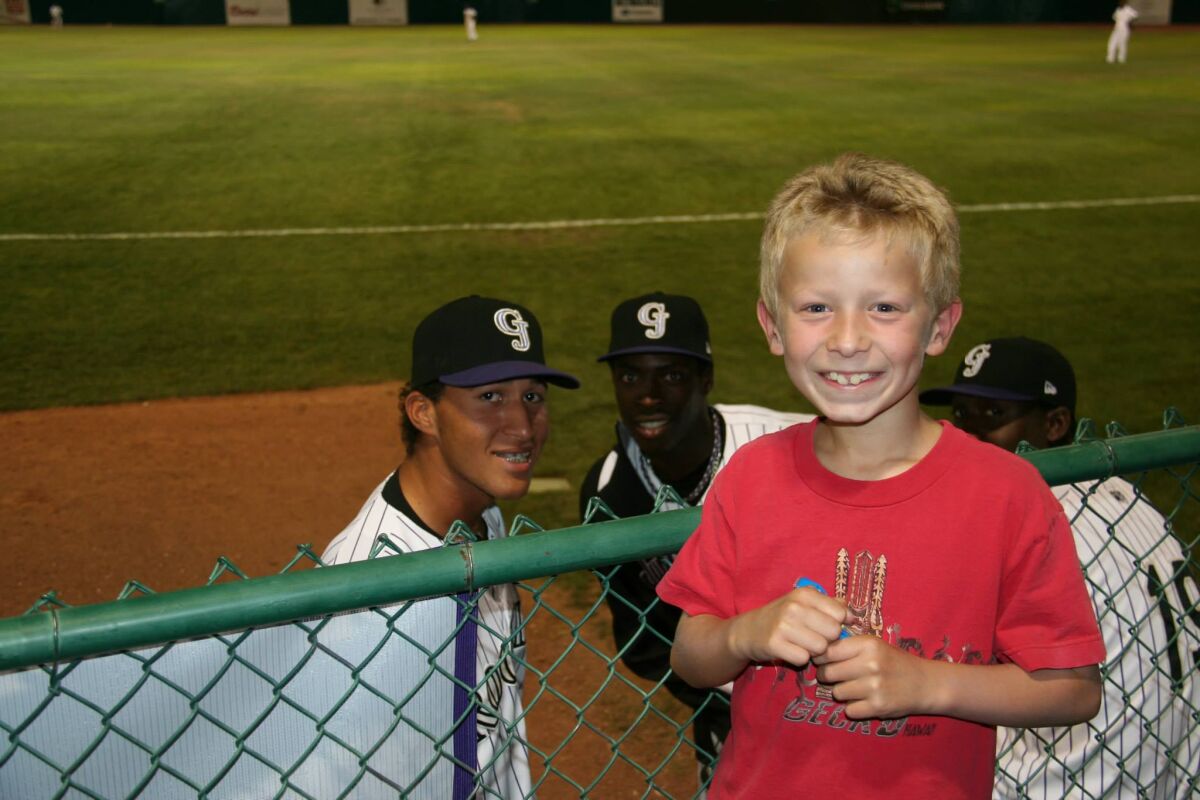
<point>875,679</point>
<point>794,628</point>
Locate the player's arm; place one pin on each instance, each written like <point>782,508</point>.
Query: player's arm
<point>877,680</point>
<point>589,489</point>
<point>711,651</point>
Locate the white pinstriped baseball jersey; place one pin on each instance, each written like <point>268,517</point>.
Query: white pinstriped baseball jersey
<point>500,651</point>
<point>1148,730</point>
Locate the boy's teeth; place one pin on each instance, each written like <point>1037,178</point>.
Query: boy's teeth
<point>652,425</point>
<point>515,458</point>
<point>849,379</point>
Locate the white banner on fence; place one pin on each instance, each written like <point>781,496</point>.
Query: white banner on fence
<point>1153,12</point>
<point>637,10</point>
<point>16,12</point>
<point>378,12</point>
<point>309,699</point>
<point>258,12</point>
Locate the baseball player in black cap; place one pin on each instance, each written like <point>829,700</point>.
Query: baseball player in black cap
<point>1009,390</point>
<point>474,421</point>
<point>660,359</point>
<point>1146,735</point>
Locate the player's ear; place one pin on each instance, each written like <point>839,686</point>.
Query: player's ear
<point>706,377</point>
<point>767,322</point>
<point>422,412</point>
<point>943,328</point>
<point>1058,424</point>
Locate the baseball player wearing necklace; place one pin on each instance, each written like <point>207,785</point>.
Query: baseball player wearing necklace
<point>662,372</point>
<point>474,420</point>
<point>1146,739</point>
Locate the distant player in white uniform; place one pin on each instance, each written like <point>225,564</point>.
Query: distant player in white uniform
<point>56,15</point>
<point>662,372</point>
<point>1118,40</point>
<point>1145,742</point>
<point>474,420</point>
<point>469,16</point>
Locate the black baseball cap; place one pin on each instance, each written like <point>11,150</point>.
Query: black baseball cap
<point>1017,368</point>
<point>659,323</point>
<point>476,340</point>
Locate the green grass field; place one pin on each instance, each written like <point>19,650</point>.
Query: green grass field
<point>110,130</point>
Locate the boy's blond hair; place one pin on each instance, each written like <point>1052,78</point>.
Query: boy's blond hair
<point>859,197</point>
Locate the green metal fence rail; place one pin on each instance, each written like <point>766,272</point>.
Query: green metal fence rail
<point>266,682</point>
<point>61,634</point>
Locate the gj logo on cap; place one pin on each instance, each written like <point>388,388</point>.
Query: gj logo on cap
<point>510,322</point>
<point>975,358</point>
<point>654,317</point>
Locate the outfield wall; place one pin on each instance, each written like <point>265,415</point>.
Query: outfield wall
<point>337,12</point>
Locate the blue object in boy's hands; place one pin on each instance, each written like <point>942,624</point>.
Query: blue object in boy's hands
<point>809,583</point>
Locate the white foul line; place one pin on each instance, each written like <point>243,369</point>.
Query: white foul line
<point>1112,202</point>
<point>547,225</point>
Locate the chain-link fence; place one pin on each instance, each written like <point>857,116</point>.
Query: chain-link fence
<point>348,681</point>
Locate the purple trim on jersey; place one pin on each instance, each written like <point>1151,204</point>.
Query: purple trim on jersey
<point>499,371</point>
<point>466,746</point>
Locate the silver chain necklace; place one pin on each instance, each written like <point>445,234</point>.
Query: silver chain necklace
<point>714,461</point>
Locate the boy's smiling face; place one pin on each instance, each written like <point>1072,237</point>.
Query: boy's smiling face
<point>854,326</point>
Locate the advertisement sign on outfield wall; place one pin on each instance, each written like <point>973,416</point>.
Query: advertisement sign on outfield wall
<point>16,12</point>
<point>637,10</point>
<point>378,12</point>
<point>1153,12</point>
<point>258,12</point>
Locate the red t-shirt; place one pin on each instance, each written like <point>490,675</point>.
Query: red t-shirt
<point>965,557</point>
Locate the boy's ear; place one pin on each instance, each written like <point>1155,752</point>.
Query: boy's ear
<point>943,328</point>
<point>422,412</point>
<point>774,337</point>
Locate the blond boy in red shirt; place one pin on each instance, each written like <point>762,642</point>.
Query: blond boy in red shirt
<point>941,596</point>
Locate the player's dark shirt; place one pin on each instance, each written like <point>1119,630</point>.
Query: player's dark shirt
<point>638,615</point>
<point>644,626</point>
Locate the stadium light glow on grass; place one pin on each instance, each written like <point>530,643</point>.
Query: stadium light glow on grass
<point>198,129</point>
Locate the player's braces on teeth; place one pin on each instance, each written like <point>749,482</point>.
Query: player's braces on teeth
<point>848,379</point>
<point>515,458</point>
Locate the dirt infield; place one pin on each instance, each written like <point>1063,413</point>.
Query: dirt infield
<point>93,497</point>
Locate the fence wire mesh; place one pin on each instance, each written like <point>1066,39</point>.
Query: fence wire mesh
<point>361,703</point>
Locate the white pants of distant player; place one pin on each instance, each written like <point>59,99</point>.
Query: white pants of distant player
<point>1118,45</point>
<point>469,21</point>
